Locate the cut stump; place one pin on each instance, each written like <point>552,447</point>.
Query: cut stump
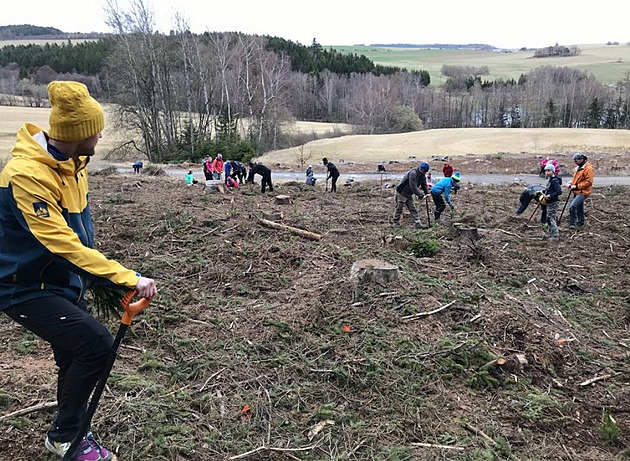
<point>274,216</point>
<point>283,200</point>
<point>376,270</point>
<point>464,232</point>
<point>214,186</point>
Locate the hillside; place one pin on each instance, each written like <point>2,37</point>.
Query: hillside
<point>260,346</point>
<point>456,142</point>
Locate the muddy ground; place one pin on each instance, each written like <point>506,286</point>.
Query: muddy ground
<point>259,338</point>
<point>524,163</point>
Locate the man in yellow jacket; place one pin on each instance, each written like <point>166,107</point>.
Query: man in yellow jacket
<point>581,185</point>
<point>47,256</point>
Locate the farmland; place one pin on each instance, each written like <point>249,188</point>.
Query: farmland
<point>610,64</point>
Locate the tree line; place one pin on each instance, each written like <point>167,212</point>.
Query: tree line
<point>189,95</point>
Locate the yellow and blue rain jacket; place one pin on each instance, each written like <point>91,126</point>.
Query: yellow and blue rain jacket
<point>46,234</point>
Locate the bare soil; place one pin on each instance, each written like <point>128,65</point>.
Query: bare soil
<point>605,164</point>
<point>258,337</point>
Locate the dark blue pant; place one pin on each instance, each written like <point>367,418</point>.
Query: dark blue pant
<point>576,210</point>
<point>81,345</point>
<point>440,205</point>
<point>333,184</point>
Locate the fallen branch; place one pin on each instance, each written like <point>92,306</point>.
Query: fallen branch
<point>508,233</point>
<point>265,448</point>
<point>480,433</point>
<point>27,410</point>
<point>432,445</point>
<point>293,230</point>
<point>424,314</point>
<point>595,379</point>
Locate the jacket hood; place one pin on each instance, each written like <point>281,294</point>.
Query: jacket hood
<point>31,144</point>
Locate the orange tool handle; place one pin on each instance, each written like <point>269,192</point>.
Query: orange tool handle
<point>131,309</point>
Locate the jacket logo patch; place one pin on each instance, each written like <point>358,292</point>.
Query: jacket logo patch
<point>41,209</point>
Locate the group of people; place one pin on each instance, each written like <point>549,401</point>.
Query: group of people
<point>234,171</point>
<point>580,188</point>
<point>414,183</point>
<point>48,259</point>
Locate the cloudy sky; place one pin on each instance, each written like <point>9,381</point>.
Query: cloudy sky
<point>506,24</point>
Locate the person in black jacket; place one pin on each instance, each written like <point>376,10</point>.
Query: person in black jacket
<point>531,193</point>
<point>550,199</point>
<point>413,183</point>
<point>262,170</point>
<point>238,171</point>
<point>333,173</point>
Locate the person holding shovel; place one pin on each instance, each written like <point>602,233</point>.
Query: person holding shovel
<point>549,199</point>
<point>333,173</point>
<point>47,259</point>
<point>444,186</point>
<point>581,185</point>
<point>413,183</point>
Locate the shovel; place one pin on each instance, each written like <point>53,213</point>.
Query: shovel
<point>524,226</point>
<point>130,310</point>
<point>426,202</point>
<point>565,206</point>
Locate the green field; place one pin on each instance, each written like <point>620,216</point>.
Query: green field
<point>610,64</point>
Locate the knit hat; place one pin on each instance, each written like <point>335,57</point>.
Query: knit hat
<point>74,114</point>
<point>457,176</point>
<point>424,166</point>
<point>550,166</point>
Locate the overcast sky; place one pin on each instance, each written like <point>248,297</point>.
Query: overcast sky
<point>504,24</point>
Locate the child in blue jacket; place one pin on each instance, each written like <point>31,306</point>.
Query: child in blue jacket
<point>444,186</point>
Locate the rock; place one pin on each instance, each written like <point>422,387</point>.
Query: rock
<point>376,270</point>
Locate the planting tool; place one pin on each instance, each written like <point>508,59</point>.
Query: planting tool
<point>530,218</point>
<point>326,184</point>
<point>426,202</point>
<point>565,206</point>
<point>129,311</point>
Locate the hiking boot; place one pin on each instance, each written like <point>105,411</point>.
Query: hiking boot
<point>420,226</point>
<point>105,454</point>
<point>85,450</point>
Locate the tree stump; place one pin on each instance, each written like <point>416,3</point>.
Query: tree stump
<point>471,233</point>
<point>274,216</point>
<point>283,200</point>
<point>214,186</point>
<point>367,270</point>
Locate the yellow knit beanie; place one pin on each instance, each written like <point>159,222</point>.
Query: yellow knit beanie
<point>74,114</point>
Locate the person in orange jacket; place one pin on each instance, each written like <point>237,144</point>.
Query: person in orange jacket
<point>217,166</point>
<point>581,185</point>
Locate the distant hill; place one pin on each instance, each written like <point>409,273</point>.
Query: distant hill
<point>439,46</point>
<point>28,31</point>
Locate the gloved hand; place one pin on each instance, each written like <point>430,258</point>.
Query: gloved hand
<point>452,206</point>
